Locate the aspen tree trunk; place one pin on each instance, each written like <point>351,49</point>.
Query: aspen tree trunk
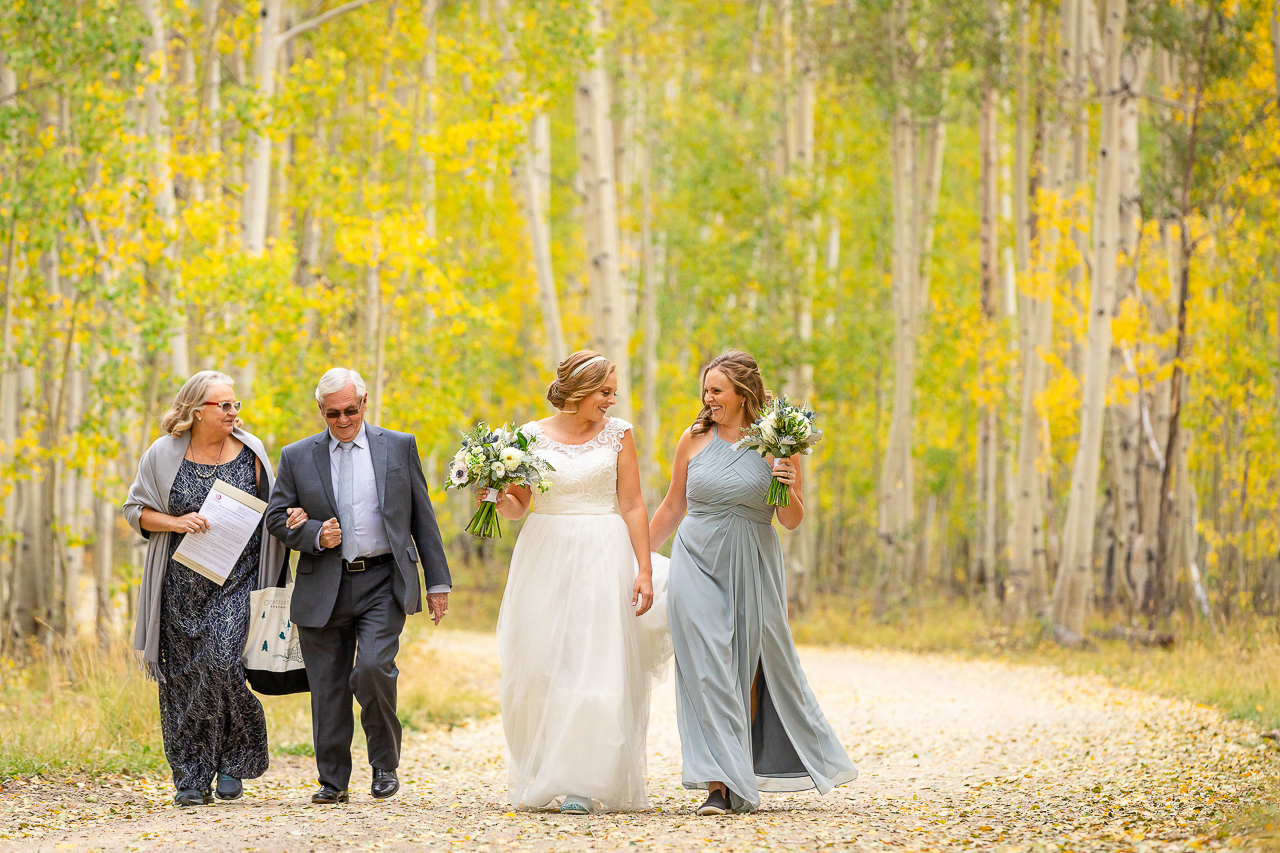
<point>625,169</point>
<point>257,151</point>
<point>989,265</point>
<point>595,152</point>
<point>165,201</point>
<point>271,37</point>
<point>917,146</point>
<point>278,192</point>
<point>798,55</point>
<point>30,555</point>
<point>257,192</point>
<point>1024,585</point>
<point>533,179</point>
<point>1126,416</point>
<point>650,249</point>
<point>1156,398</point>
<point>210,96</point>
<point>537,215</point>
<point>373,333</point>
<point>1075,578</point>
<point>104,507</point>
<point>74,501</point>
<point>258,147</point>
<point>103,556</point>
<point>375,313</point>
<point>37,572</point>
<point>1161,598</point>
<point>8,409</point>
<point>1273,591</point>
<point>8,385</point>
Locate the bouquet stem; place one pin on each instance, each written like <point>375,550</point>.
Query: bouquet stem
<point>779,494</point>
<point>485,522</point>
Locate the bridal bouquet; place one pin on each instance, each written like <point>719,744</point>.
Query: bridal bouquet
<point>494,459</point>
<point>782,431</point>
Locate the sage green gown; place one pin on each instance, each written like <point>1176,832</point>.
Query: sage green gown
<point>728,611</point>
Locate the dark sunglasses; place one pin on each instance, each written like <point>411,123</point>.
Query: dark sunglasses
<point>227,408</point>
<point>334,414</point>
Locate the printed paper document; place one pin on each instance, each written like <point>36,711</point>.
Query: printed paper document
<point>233,516</point>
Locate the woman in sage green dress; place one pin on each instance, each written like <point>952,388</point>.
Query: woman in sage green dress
<point>747,718</point>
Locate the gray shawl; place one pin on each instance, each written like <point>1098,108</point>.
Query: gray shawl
<point>150,490</point>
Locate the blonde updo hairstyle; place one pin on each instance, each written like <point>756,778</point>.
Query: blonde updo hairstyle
<point>741,370</point>
<point>576,379</point>
<point>190,398</point>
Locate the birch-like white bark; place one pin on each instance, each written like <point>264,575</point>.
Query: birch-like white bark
<point>802,141</point>
<point>1074,583</point>
<point>8,386</point>
<point>984,562</point>
<point>165,201</point>
<point>258,147</point>
<point>916,159</point>
<point>540,240</point>
<point>1130,465</point>
<point>650,250</point>
<point>533,180</point>
<point>1027,509</point>
<point>595,152</point>
<point>271,36</point>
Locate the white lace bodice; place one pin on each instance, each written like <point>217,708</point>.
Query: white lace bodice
<point>585,479</point>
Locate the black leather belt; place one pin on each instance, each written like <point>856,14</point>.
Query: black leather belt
<point>366,563</point>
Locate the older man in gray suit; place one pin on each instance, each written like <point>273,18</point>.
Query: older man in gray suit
<point>370,524</point>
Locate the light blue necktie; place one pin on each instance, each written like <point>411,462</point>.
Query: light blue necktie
<point>346,501</point>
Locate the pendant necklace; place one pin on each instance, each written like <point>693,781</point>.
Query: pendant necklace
<point>217,462</point>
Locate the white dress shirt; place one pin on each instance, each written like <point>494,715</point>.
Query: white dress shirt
<point>370,532</point>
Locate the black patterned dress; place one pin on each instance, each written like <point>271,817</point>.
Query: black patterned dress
<point>210,719</point>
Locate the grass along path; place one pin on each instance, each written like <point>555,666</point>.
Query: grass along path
<point>954,754</point>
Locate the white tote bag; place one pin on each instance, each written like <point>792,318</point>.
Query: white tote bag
<point>273,655</point>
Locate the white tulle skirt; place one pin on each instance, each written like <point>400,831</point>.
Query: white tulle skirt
<point>577,663</point>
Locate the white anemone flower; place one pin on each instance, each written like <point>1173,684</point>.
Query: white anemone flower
<point>458,473</point>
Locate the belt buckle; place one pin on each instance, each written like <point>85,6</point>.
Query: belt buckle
<point>351,566</point>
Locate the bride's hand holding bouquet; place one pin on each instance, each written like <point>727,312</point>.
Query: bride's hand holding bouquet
<point>493,460</point>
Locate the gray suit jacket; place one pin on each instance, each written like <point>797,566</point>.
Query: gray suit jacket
<point>305,480</point>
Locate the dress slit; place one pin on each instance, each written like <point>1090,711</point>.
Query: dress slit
<point>749,721</point>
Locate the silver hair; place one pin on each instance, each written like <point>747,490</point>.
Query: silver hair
<point>190,397</point>
<point>335,379</point>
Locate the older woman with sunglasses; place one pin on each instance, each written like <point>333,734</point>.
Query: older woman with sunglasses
<point>190,631</point>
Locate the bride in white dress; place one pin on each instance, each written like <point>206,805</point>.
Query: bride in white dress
<point>576,659</point>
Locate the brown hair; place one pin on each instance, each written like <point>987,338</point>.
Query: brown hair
<point>742,370</point>
<point>577,376</point>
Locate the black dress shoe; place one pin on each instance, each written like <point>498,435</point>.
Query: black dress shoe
<point>329,795</point>
<point>717,803</point>
<point>384,784</point>
<point>192,797</point>
<point>229,787</point>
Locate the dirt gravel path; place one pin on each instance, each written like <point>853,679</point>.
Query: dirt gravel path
<point>953,754</point>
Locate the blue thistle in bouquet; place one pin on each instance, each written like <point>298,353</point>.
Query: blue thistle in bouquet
<point>781,431</point>
<point>494,459</point>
